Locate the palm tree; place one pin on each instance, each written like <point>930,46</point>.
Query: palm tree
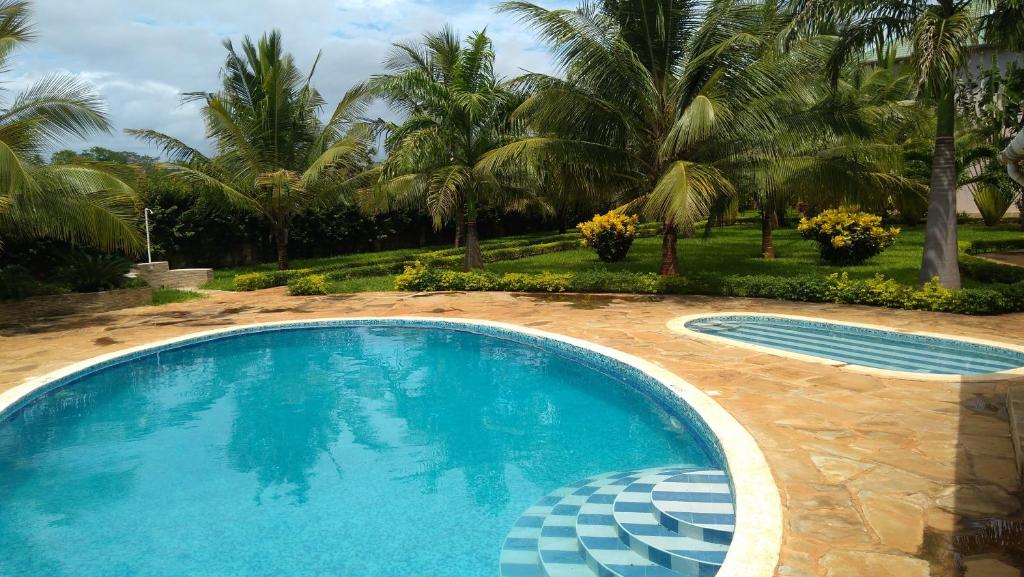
<point>455,111</point>
<point>70,202</point>
<point>677,103</point>
<point>940,34</point>
<point>273,154</point>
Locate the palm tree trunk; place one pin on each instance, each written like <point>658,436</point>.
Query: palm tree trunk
<point>460,224</point>
<point>669,256</point>
<point>940,249</point>
<point>767,241</point>
<point>281,240</point>
<point>474,260</point>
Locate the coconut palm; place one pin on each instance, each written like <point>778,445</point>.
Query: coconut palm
<point>273,154</point>
<point>677,103</point>
<point>940,34</point>
<point>70,202</point>
<point>456,109</point>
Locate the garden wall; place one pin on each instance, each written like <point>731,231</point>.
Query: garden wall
<point>32,308</point>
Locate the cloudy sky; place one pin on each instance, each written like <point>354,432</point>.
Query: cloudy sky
<point>141,54</point>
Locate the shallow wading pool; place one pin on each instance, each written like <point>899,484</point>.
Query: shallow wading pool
<point>354,448</point>
<point>889,351</point>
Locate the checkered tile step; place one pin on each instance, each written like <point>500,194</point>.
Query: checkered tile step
<point>596,528</point>
<point>697,504</point>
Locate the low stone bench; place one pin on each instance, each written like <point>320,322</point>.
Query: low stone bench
<point>160,275</point>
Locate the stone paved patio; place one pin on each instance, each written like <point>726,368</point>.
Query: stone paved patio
<point>876,475</point>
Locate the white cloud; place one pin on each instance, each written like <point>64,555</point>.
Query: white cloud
<point>141,54</point>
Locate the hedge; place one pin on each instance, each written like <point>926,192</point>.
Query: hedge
<point>836,288</point>
<point>995,245</point>
<point>262,280</point>
<point>314,284</point>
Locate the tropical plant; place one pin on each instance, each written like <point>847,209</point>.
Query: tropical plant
<point>679,104</point>
<point>74,203</point>
<point>273,153</point>
<point>610,234</point>
<point>847,237</point>
<point>456,110</point>
<point>994,197</point>
<point>940,34</point>
<point>85,271</point>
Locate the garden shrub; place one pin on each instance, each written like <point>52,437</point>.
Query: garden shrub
<point>848,237</point>
<point>16,282</point>
<point>610,234</point>
<point>92,272</point>
<point>994,245</point>
<point>990,272</point>
<point>263,280</point>
<point>314,284</point>
<point>836,288</point>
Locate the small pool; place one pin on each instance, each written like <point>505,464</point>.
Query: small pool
<point>857,345</point>
<point>360,449</point>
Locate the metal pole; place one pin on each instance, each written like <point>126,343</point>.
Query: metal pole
<point>149,253</point>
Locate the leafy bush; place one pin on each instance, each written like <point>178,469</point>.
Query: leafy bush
<point>836,288</point>
<point>846,237</point>
<point>16,282</point>
<point>996,245</point>
<point>990,272</point>
<point>263,280</point>
<point>610,234</point>
<point>994,198</point>
<point>90,272</point>
<point>314,284</point>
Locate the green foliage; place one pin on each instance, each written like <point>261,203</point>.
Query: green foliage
<point>164,296</point>
<point>17,282</point>
<point>836,288</point>
<point>314,284</point>
<point>990,272</point>
<point>982,246</point>
<point>610,234</point>
<point>78,203</point>
<point>993,199</point>
<point>264,280</point>
<point>308,158</point>
<point>845,237</point>
<point>92,272</point>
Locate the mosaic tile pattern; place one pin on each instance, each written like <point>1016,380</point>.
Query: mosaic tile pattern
<point>605,526</point>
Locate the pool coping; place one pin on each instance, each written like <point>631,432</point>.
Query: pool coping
<point>678,325</point>
<point>757,540</point>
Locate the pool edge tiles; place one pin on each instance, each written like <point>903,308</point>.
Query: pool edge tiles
<point>679,325</point>
<point>758,538</point>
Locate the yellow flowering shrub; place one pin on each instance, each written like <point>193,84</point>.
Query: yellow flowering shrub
<point>610,234</point>
<point>848,236</point>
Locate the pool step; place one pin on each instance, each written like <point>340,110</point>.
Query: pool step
<point>697,504</point>
<point>608,526</point>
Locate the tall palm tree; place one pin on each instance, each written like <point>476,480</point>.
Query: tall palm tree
<point>456,110</point>
<point>940,34</point>
<point>273,154</point>
<point>70,202</point>
<point>678,103</point>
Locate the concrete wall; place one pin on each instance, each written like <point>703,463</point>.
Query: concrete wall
<point>158,275</point>
<point>33,308</point>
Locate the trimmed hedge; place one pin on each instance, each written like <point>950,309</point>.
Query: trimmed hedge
<point>836,288</point>
<point>263,280</point>
<point>990,272</point>
<point>314,284</point>
<point>984,246</point>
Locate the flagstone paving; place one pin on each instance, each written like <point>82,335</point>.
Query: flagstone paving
<point>875,475</point>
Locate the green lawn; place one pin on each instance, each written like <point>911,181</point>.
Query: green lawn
<point>732,250</point>
<point>735,250</point>
<point>163,296</point>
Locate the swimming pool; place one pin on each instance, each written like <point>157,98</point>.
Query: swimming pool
<point>890,352</point>
<point>372,447</point>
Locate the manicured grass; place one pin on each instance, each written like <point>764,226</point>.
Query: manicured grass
<point>735,250</point>
<point>163,296</point>
<point>732,250</point>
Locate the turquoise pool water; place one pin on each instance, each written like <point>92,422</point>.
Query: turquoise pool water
<point>368,451</point>
<point>862,346</point>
